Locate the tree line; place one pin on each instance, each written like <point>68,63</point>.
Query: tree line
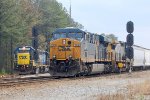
<point>17,17</point>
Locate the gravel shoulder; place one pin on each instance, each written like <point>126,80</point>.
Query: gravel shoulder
<point>75,89</point>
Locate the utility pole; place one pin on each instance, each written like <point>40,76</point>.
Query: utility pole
<point>11,43</point>
<point>70,9</point>
<point>0,52</point>
<point>130,42</point>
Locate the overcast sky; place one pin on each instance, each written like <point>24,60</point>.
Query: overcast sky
<point>111,16</point>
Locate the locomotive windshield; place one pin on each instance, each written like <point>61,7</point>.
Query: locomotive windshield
<point>77,36</point>
<point>59,35</point>
<point>23,51</point>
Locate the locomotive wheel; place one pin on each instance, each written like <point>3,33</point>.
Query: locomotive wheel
<point>43,68</point>
<point>37,70</point>
<point>108,69</point>
<point>89,69</point>
<point>40,69</point>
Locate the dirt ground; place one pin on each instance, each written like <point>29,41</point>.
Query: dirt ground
<point>133,86</point>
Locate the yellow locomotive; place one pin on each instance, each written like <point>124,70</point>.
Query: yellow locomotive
<point>65,52</point>
<point>73,52</point>
<point>28,60</point>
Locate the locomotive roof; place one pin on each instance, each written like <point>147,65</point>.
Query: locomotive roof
<point>17,49</point>
<point>68,30</point>
<point>104,38</point>
<point>25,47</point>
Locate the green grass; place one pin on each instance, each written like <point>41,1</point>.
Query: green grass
<point>4,72</point>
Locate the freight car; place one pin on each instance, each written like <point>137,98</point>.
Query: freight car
<point>25,63</point>
<point>141,58</point>
<point>74,52</point>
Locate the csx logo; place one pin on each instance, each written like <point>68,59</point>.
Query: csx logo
<point>22,57</point>
<point>62,48</point>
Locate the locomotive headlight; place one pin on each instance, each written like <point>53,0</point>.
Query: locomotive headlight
<point>54,56</point>
<point>77,45</point>
<point>64,41</point>
<point>23,48</point>
<point>52,45</point>
<point>70,56</point>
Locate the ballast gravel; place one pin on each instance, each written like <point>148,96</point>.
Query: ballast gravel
<point>74,88</point>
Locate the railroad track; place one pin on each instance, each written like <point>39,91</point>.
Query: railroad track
<point>27,80</point>
<point>19,81</point>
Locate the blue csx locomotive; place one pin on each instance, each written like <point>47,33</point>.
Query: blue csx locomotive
<point>28,60</point>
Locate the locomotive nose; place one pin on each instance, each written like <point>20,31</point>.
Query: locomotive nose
<point>65,48</point>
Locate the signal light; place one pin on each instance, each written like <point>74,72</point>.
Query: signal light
<point>35,31</point>
<point>130,52</point>
<point>130,39</point>
<point>35,43</point>
<point>130,27</point>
